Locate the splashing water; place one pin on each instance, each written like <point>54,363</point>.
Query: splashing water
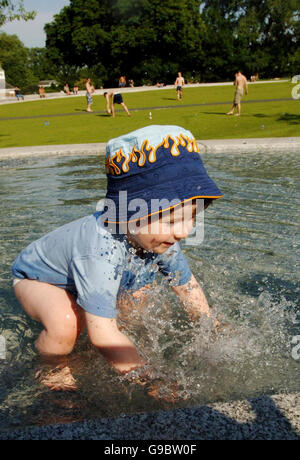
<point>247,265</point>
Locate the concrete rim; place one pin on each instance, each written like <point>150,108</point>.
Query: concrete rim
<point>260,145</point>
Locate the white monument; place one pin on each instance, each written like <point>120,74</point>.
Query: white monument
<point>2,83</point>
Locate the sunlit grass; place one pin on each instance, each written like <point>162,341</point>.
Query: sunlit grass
<point>259,119</point>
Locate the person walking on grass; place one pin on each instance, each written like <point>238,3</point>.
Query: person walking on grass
<point>241,83</point>
<point>179,83</point>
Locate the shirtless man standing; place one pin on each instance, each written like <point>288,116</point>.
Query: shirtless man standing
<point>240,83</point>
<point>89,92</point>
<point>179,83</point>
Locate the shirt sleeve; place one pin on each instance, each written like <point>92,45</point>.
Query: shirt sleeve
<point>174,265</point>
<point>97,283</point>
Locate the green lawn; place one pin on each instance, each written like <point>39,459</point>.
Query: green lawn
<point>259,119</point>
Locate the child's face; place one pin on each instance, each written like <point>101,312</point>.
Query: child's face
<point>159,234</point>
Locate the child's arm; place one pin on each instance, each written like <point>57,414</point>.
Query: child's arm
<point>193,299</point>
<point>116,347</point>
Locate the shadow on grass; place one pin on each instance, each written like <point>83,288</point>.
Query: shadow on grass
<point>214,113</point>
<point>291,118</point>
<point>261,115</point>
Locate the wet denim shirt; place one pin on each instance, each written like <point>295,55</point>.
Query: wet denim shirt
<point>87,260</point>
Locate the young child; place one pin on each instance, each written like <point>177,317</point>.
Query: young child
<point>76,275</point>
<point>111,100</point>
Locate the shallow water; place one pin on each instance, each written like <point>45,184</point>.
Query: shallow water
<point>248,265</point>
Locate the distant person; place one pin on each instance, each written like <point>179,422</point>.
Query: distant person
<point>18,94</point>
<point>122,81</point>
<point>89,94</point>
<point>179,83</point>
<point>254,78</point>
<point>42,92</point>
<point>131,83</point>
<point>240,83</point>
<point>112,99</point>
<point>67,89</point>
<point>75,89</point>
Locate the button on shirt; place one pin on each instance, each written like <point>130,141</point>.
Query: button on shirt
<point>86,259</point>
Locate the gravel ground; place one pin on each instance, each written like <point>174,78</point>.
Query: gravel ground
<point>274,417</point>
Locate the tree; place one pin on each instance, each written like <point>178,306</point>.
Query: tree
<point>10,10</point>
<point>270,28</point>
<point>40,65</point>
<point>14,57</point>
<point>147,40</point>
<point>219,17</point>
<point>254,35</point>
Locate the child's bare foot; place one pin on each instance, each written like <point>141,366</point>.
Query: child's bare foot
<point>58,379</point>
<point>229,113</point>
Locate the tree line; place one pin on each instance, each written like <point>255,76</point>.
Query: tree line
<point>151,40</point>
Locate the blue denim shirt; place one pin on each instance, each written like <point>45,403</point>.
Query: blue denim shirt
<point>86,259</point>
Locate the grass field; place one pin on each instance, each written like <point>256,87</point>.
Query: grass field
<point>64,121</point>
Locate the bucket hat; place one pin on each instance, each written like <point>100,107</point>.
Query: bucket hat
<point>151,170</point>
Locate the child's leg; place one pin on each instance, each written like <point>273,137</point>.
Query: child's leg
<point>125,108</point>
<point>57,310</point>
<point>112,106</point>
